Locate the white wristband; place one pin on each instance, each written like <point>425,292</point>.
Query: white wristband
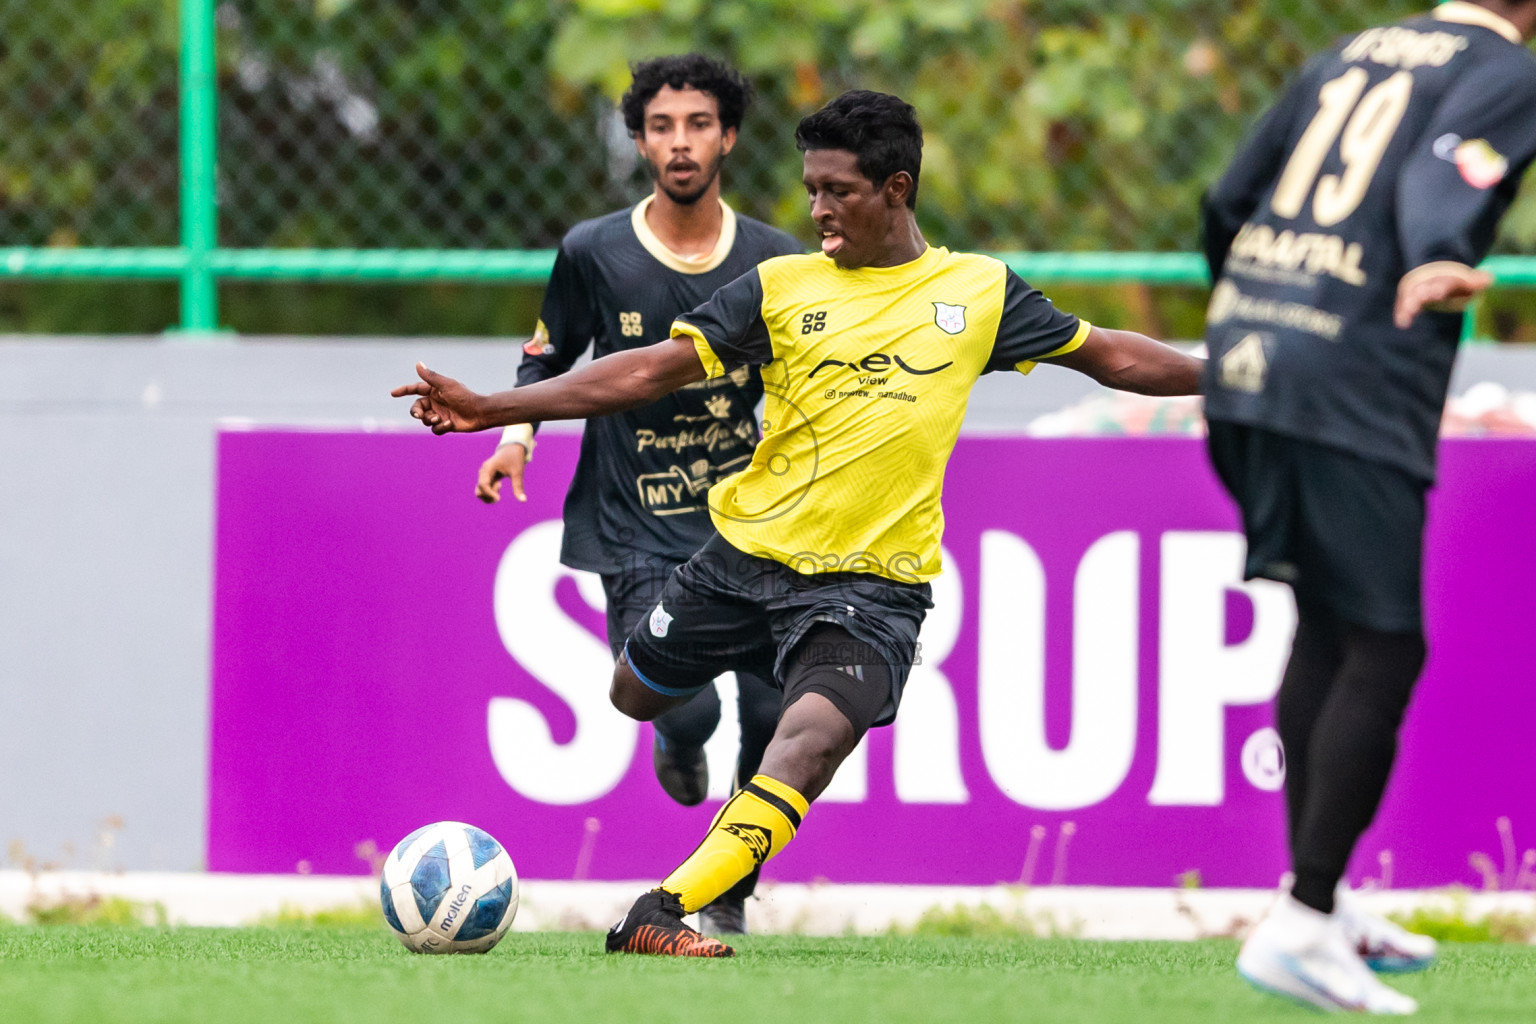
<point>518,433</point>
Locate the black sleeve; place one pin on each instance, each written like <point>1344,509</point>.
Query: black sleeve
<point>1465,168</point>
<point>1031,326</point>
<point>567,322</point>
<point>1226,206</point>
<point>731,326</point>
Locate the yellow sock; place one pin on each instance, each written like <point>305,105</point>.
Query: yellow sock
<point>753,825</point>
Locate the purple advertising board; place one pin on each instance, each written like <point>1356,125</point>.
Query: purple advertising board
<point>1093,703</point>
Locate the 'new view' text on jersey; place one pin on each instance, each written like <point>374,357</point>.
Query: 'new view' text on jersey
<point>1397,150</point>
<point>638,496</point>
<point>867,373</point>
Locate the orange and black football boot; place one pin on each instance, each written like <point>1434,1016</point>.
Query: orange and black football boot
<point>655,925</point>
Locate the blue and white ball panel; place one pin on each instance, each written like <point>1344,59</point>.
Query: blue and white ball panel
<point>449,888</point>
<point>430,879</point>
<point>482,848</point>
<point>408,843</point>
<point>388,903</point>
<point>485,917</point>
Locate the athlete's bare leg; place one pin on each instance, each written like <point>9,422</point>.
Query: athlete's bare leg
<point>634,698</point>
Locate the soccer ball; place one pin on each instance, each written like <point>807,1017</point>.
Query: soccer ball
<point>449,888</point>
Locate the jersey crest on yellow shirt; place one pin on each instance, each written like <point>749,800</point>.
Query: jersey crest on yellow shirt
<point>951,319</point>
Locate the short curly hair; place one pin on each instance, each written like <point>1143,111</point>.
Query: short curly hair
<point>880,129</point>
<point>732,93</point>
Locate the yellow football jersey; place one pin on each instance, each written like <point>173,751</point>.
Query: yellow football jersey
<point>867,374</point>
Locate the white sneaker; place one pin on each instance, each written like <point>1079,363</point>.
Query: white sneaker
<point>1384,946</point>
<point>1303,954</point>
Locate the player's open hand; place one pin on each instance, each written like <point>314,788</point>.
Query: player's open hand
<point>505,464</point>
<point>442,403</point>
<point>1444,288</point>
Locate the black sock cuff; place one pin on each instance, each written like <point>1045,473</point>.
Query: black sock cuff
<point>1315,889</point>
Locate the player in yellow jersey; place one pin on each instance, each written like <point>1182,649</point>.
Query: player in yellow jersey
<point>825,543</point>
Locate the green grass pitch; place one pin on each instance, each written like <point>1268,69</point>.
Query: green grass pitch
<point>294,975</point>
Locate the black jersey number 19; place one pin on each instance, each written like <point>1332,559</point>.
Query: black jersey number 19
<point>1364,139</point>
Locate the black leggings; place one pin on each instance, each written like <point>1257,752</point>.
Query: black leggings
<point>850,673</point>
<point>1341,703</point>
<point>757,709</point>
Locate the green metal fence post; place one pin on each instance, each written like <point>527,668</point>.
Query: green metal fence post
<point>199,154</point>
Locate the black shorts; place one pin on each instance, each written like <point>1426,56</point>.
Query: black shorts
<point>726,610</point>
<point>1346,532</point>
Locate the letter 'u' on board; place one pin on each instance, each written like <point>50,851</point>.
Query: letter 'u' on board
<point>1011,672</point>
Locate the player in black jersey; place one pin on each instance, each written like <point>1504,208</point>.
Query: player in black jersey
<point>637,506</point>
<point>1342,241</point>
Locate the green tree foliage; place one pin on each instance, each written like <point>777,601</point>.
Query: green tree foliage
<point>1053,124</point>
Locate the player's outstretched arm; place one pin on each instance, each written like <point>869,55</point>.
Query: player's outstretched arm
<point>1448,203</point>
<point>1128,361</point>
<point>623,380</point>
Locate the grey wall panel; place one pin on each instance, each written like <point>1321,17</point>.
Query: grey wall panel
<point>106,516</point>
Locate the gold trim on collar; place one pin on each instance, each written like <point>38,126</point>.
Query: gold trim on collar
<point>671,260</point>
<point>1460,12</point>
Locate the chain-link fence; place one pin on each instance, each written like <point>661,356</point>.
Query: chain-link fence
<point>1052,125</point>
<point>88,123</point>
